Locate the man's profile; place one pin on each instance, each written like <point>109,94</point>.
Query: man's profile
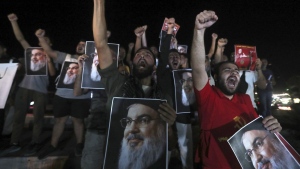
<point>71,74</point>
<point>94,73</point>
<point>144,138</point>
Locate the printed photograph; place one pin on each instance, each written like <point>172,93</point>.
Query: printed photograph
<point>90,76</point>
<point>7,74</point>
<point>185,99</point>
<point>182,48</point>
<point>137,136</point>
<point>245,57</point>
<point>68,75</point>
<point>257,148</point>
<point>36,61</point>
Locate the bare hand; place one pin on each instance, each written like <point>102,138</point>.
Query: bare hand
<point>171,25</point>
<point>205,19</point>
<point>145,27</point>
<point>271,124</point>
<point>214,36</point>
<point>167,113</point>
<point>131,45</point>
<point>222,42</point>
<point>12,17</point>
<point>40,33</point>
<point>81,59</point>
<point>139,31</point>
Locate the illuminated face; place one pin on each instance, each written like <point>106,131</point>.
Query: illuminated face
<point>143,64</point>
<point>188,95</point>
<point>38,59</point>
<point>240,51</point>
<point>71,74</point>
<point>181,49</point>
<point>263,151</point>
<point>228,78</point>
<point>80,48</point>
<point>144,138</point>
<point>174,60</point>
<point>95,76</point>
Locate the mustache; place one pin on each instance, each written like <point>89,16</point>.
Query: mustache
<point>135,136</point>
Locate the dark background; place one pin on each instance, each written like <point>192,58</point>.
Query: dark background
<point>271,26</point>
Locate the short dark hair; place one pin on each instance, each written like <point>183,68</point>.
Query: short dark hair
<point>218,65</point>
<point>148,49</point>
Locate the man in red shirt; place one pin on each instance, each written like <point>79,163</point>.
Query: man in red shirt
<point>222,111</point>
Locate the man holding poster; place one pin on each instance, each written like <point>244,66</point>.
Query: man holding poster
<point>222,111</point>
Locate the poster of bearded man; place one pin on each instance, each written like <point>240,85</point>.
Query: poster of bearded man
<point>68,75</point>
<point>90,75</point>
<point>257,148</point>
<point>36,61</point>
<point>185,100</point>
<point>137,136</point>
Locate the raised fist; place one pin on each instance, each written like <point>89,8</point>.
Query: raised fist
<point>40,33</point>
<point>131,45</point>
<point>12,17</point>
<point>139,31</point>
<point>205,19</point>
<point>222,42</point>
<point>214,36</point>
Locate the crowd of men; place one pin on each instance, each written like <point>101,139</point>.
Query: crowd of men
<point>212,90</point>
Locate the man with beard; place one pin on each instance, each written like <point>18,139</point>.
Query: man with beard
<point>116,84</point>
<point>221,110</point>
<point>187,94</point>
<point>143,145</point>
<point>94,73</point>
<point>65,104</point>
<point>265,150</point>
<point>38,60</point>
<point>169,60</point>
<point>71,74</point>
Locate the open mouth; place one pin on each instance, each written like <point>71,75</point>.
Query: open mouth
<point>142,64</point>
<point>232,82</point>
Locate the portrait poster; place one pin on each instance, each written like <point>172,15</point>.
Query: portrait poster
<point>164,30</point>
<point>185,99</point>
<point>7,75</point>
<point>245,57</point>
<point>137,136</point>
<point>68,75</point>
<point>256,147</point>
<point>36,62</point>
<point>90,75</point>
<point>182,48</point>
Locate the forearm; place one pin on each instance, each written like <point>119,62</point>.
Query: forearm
<point>144,40</point>
<point>261,80</point>
<point>212,48</point>
<point>138,43</point>
<point>198,59</point>
<point>47,48</point>
<point>100,37</point>
<point>77,91</point>
<point>51,68</point>
<point>218,55</point>
<point>19,35</point>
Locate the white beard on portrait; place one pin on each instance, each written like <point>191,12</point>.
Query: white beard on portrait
<point>95,74</point>
<point>144,156</point>
<point>37,66</point>
<point>187,98</point>
<point>69,79</point>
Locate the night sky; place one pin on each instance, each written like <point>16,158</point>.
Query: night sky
<point>271,26</point>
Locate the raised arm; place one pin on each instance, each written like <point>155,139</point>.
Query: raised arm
<point>128,56</point>
<point>40,34</point>
<point>203,20</point>
<point>214,37</point>
<point>261,80</point>
<point>144,39</point>
<point>51,68</point>
<point>17,31</point>
<point>139,31</point>
<point>100,37</point>
<point>220,49</point>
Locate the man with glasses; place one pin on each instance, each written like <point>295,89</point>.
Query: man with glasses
<point>264,150</point>
<point>143,145</point>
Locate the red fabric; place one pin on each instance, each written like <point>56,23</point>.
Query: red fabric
<point>219,119</point>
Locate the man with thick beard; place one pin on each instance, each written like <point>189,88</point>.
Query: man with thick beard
<point>94,73</point>
<point>71,74</point>
<point>116,84</point>
<point>38,60</point>
<point>144,138</point>
<point>221,110</point>
<point>264,150</point>
<point>187,94</point>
